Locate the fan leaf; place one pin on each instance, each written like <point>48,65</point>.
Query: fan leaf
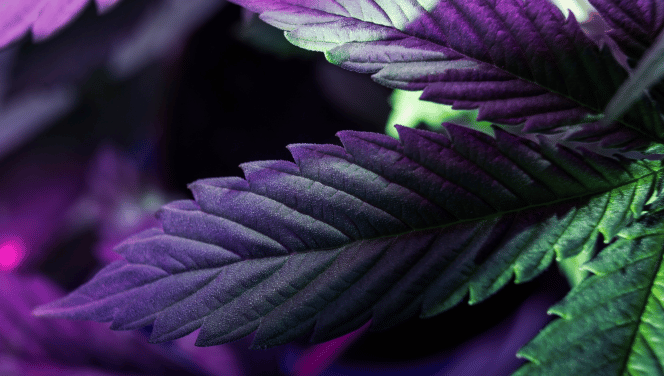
<point>613,322</point>
<point>379,229</point>
<point>517,61</point>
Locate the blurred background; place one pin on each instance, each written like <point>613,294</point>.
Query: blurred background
<point>110,118</point>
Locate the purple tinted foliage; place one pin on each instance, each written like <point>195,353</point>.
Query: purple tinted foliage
<point>518,62</point>
<point>124,41</point>
<point>44,199</point>
<point>108,197</point>
<point>41,17</point>
<point>116,202</point>
<point>635,24</point>
<point>348,234</point>
<point>35,346</point>
<point>33,215</point>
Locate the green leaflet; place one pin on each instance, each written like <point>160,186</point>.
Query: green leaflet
<point>613,322</point>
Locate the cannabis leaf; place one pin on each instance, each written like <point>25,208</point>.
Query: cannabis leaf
<point>380,229</point>
<point>613,322</point>
<point>42,17</point>
<point>517,61</point>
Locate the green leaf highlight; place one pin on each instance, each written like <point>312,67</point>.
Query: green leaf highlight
<point>613,322</point>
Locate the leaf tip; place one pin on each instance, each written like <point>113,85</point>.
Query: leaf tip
<point>50,310</point>
<point>557,311</point>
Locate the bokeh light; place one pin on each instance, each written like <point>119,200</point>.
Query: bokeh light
<point>12,251</point>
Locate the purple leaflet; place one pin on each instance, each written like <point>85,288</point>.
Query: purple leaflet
<point>517,61</point>
<point>379,229</point>
<point>635,23</point>
<point>43,17</point>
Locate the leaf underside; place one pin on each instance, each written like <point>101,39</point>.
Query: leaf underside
<point>518,62</point>
<point>613,322</point>
<point>379,229</point>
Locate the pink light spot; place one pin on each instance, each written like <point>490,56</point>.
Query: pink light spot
<point>11,253</point>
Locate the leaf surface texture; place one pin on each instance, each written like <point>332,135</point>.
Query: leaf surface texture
<point>518,62</point>
<point>613,322</point>
<point>379,229</point>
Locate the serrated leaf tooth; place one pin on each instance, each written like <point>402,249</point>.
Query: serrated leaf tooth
<point>297,315</point>
<point>306,155</point>
<point>260,170</point>
<point>231,182</point>
<point>614,315</point>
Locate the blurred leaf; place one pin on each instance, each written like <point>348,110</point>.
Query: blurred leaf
<point>29,340</point>
<point>648,72</point>
<point>43,18</point>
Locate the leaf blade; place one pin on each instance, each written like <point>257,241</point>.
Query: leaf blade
<point>612,322</point>
<point>518,62</point>
<point>380,228</point>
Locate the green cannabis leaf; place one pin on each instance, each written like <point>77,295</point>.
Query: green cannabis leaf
<point>613,322</point>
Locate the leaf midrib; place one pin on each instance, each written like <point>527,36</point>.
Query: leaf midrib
<point>642,309</point>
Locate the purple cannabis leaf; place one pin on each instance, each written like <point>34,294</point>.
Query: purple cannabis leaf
<point>43,17</point>
<point>379,229</point>
<point>517,61</point>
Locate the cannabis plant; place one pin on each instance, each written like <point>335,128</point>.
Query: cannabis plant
<point>383,229</point>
